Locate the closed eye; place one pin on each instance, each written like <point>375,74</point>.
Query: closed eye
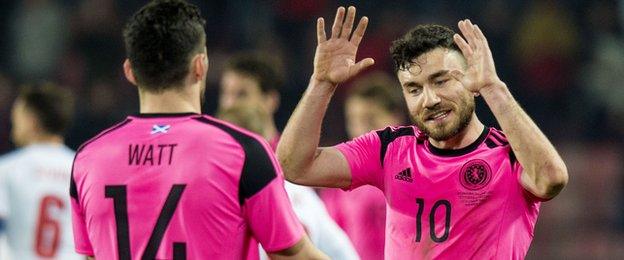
<point>414,90</point>
<point>440,82</point>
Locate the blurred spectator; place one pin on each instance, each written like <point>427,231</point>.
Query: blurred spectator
<point>603,76</point>
<point>39,33</point>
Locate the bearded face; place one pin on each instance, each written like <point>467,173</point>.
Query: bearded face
<point>445,119</point>
<point>438,103</point>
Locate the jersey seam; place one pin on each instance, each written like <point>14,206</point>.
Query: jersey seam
<point>500,229</point>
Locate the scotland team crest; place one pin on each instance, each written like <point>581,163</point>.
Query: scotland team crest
<point>475,174</point>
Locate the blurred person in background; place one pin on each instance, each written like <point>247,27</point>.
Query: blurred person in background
<point>34,179</point>
<point>171,182</point>
<point>447,177</point>
<point>374,102</point>
<point>249,97</point>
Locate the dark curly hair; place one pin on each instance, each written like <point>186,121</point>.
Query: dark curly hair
<point>263,69</point>
<point>420,40</point>
<point>160,40</point>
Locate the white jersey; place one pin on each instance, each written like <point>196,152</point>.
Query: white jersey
<point>323,231</point>
<point>34,202</point>
<point>325,234</point>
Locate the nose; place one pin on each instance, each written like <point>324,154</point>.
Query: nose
<point>431,98</point>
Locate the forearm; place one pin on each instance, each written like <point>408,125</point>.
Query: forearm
<point>300,139</point>
<point>302,250</point>
<point>544,170</point>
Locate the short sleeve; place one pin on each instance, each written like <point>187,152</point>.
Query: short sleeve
<point>365,161</point>
<point>271,218</point>
<point>79,226</point>
<point>264,200</point>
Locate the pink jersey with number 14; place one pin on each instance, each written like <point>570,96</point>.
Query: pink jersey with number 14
<point>446,204</point>
<point>179,186</point>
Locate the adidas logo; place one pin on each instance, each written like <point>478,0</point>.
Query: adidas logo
<point>404,175</point>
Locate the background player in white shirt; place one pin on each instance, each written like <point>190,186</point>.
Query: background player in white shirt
<point>34,179</point>
<point>249,98</point>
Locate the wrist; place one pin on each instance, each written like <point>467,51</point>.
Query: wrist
<point>495,89</point>
<point>496,93</point>
<point>321,85</point>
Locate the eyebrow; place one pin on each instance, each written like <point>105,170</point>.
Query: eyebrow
<point>437,74</point>
<point>431,77</point>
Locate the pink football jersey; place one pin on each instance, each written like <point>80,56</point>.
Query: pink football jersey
<point>446,204</point>
<point>177,186</point>
<point>361,213</point>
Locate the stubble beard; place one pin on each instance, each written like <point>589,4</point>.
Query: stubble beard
<point>443,132</point>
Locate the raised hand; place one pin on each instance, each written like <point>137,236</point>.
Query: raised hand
<point>334,61</point>
<point>480,72</point>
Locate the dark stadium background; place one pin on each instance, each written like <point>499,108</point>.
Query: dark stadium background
<point>564,61</point>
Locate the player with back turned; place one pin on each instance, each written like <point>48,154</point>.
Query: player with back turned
<point>34,179</point>
<point>454,188</point>
<point>171,183</point>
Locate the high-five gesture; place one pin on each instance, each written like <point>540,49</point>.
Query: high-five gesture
<point>334,61</point>
<point>480,72</point>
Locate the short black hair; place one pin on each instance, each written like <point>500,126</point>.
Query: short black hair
<point>160,40</point>
<point>265,70</point>
<point>420,40</point>
<point>52,105</point>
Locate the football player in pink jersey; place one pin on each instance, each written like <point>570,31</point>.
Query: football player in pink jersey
<point>373,102</point>
<point>171,183</point>
<point>454,188</point>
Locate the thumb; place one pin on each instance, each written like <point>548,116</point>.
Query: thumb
<point>363,64</point>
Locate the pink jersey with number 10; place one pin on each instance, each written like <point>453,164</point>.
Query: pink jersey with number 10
<point>446,204</point>
<point>178,186</point>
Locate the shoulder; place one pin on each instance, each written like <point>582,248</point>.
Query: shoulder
<point>496,138</point>
<point>391,133</point>
<point>9,160</point>
<point>389,136</point>
<point>259,166</point>
<point>238,133</point>
<point>102,135</point>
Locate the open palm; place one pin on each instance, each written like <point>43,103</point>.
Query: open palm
<point>334,61</point>
<point>480,72</point>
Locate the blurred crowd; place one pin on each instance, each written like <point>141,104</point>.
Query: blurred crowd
<point>563,60</point>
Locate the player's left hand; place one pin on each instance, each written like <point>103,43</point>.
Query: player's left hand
<point>480,73</point>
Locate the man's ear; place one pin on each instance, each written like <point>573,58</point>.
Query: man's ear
<point>200,67</point>
<point>128,72</point>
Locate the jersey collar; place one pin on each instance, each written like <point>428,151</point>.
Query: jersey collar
<point>458,152</point>
<point>153,115</point>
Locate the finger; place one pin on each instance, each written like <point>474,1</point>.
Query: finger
<point>463,46</point>
<point>320,31</point>
<point>348,24</point>
<point>481,37</point>
<point>338,22</point>
<point>361,65</point>
<point>468,32</point>
<point>359,31</point>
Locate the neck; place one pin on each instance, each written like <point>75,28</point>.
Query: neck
<point>47,139</point>
<point>177,100</point>
<point>465,137</point>
<point>270,131</point>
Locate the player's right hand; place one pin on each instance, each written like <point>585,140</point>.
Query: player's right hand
<point>334,61</point>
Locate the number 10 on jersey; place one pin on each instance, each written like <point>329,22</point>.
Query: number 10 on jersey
<point>432,224</point>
